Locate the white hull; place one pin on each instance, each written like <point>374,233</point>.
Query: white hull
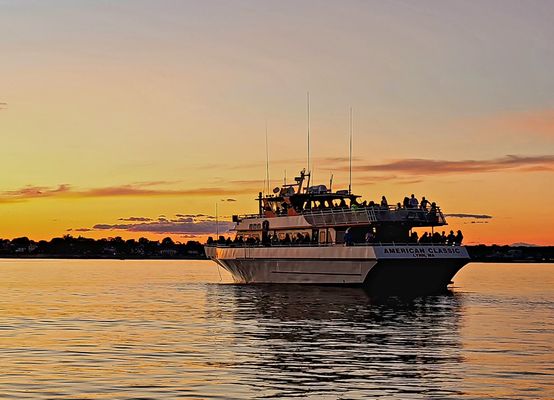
<point>340,265</point>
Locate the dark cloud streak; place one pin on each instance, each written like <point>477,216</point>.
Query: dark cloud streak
<point>132,190</point>
<point>136,219</point>
<point>418,166</point>
<point>474,216</point>
<point>184,224</point>
<point>170,227</point>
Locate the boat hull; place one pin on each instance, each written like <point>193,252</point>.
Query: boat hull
<point>395,268</point>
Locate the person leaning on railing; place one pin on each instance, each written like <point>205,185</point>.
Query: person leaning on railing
<point>412,202</point>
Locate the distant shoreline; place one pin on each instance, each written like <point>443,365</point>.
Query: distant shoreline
<point>478,253</point>
<point>511,254</point>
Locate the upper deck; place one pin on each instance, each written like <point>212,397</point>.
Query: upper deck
<point>416,217</point>
<point>320,207</point>
<point>370,215</point>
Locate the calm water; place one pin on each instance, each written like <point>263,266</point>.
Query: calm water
<point>164,330</point>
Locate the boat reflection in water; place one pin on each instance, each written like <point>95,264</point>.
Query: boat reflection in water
<point>326,341</point>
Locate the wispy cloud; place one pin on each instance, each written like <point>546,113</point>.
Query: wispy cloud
<point>192,215</point>
<point>31,192</point>
<point>139,189</point>
<point>418,166</point>
<point>130,190</point>
<point>473,216</point>
<point>136,219</point>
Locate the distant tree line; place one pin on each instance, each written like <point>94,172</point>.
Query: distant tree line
<point>81,247</point>
<point>495,253</point>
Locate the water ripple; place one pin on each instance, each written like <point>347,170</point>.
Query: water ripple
<point>169,330</point>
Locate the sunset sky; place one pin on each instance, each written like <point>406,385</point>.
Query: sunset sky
<point>134,118</point>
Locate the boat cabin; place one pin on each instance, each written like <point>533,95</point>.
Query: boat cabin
<point>298,213</point>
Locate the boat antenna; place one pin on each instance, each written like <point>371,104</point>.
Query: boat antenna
<point>331,183</point>
<point>308,108</point>
<point>267,160</point>
<point>350,156</point>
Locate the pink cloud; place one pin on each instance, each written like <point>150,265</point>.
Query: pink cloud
<point>130,190</point>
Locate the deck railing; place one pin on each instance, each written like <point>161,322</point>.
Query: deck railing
<point>393,244</point>
<point>366,215</point>
<point>331,217</point>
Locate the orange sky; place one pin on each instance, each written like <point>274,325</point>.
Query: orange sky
<point>157,111</point>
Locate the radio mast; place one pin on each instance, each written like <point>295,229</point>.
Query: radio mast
<point>350,156</point>
<point>308,107</point>
<point>267,160</point>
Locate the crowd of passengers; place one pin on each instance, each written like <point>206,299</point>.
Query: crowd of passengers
<point>427,238</point>
<point>270,239</point>
<point>439,238</point>
<point>409,203</point>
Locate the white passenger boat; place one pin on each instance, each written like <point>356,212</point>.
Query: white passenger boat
<point>311,235</point>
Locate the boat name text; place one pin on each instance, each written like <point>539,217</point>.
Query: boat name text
<point>422,251</point>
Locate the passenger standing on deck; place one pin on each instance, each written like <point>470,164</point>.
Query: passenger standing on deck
<point>384,203</point>
<point>348,240</point>
<point>369,238</point>
<point>413,201</point>
<point>450,238</point>
<point>286,240</point>
<point>459,238</point>
<point>424,203</point>
<point>433,217</point>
